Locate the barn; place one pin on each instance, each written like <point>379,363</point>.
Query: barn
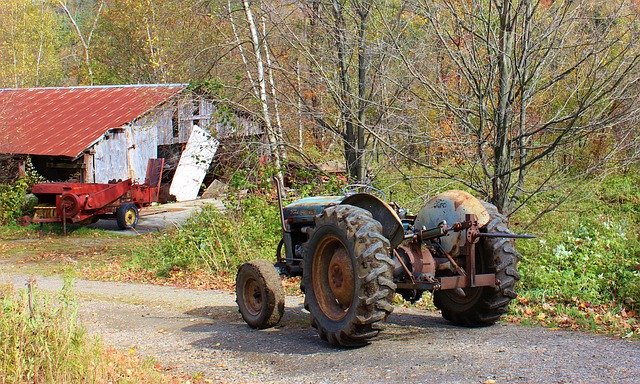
<point>103,133</point>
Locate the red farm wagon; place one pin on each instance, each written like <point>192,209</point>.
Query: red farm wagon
<point>86,203</point>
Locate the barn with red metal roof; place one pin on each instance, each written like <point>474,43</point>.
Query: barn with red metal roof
<point>101,133</point>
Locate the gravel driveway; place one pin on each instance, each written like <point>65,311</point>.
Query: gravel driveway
<point>201,332</point>
<point>160,217</point>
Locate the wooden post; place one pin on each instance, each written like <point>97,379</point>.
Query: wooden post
<point>22,169</point>
<point>88,174</point>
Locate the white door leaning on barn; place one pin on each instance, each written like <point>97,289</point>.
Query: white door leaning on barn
<point>194,164</point>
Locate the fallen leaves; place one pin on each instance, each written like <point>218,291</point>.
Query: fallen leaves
<point>577,315</point>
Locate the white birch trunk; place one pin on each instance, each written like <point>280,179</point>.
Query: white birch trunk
<point>273,144</point>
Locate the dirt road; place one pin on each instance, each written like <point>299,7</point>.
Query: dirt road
<point>201,331</point>
<point>161,217</point>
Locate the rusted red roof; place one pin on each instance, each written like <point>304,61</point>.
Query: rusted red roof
<point>66,121</point>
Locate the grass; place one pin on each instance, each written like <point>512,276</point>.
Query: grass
<point>46,251</point>
<point>41,341</point>
<point>585,262</point>
<point>213,242</point>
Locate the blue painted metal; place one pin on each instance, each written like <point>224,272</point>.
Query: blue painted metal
<point>304,210</point>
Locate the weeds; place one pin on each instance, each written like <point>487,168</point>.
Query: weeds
<point>41,341</point>
<point>213,241</point>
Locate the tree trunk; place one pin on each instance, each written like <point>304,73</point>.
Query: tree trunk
<point>273,143</point>
<point>502,149</point>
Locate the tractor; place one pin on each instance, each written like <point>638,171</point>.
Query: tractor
<point>356,251</point>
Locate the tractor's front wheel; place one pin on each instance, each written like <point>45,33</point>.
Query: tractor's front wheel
<point>483,306</point>
<point>259,294</point>
<point>348,276</point>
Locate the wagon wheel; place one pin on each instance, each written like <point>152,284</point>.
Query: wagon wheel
<point>259,294</point>
<point>348,276</point>
<point>127,216</point>
<point>483,306</point>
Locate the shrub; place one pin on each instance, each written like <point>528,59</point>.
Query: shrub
<point>12,200</point>
<point>595,262</point>
<point>41,341</point>
<point>214,241</point>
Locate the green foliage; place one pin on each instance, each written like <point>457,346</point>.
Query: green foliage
<point>594,262</point>
<point>214,241</point>
<point>43,342</point>
<point>589,252</point>
<point>12,200</point>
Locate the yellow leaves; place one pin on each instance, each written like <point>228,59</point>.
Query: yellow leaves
<point>29,43</point>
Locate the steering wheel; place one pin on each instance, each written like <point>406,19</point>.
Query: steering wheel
<point>351,189</point>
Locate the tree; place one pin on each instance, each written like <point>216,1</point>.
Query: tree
<point>352,85</point>
<point>30,42</point>
<point>86,36</point>
<point>523,80</point>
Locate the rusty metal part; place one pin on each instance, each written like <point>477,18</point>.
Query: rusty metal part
<point>481,280</point>
<point>507,235</point>
<point>451,206</point>
<point>252,296</point>
<point>471,240</point>
<point>429,234</point>
<point>455,265</point>
<point>340,277</point>
<point>450,282</point>
<point>404,266</point>
<point>333,267</point>
<point>24,221</point>
<point>422,261</point>
<point>392,227</point>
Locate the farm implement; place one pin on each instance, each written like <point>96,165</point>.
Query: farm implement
<point>86,203</point>
<point>355,252</point>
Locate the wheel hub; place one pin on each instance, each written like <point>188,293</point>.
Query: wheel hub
<point>340,277</point>
<point>333,278</point>
<point>130,217</point>
<point>253,297</point>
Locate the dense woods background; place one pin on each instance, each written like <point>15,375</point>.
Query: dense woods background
<point>508,98</point>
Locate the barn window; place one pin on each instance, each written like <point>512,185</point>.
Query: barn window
<point>175,123</point>
<point>196,113</point>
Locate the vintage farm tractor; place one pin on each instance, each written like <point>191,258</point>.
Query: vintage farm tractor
<point>355,252</point>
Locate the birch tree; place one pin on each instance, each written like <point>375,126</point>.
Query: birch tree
<point>274,133</point>
<point>86,36</point>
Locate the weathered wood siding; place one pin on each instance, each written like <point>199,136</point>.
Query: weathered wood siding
<point>124,153</point>
<point>142,145</point>
<point>110,158</point>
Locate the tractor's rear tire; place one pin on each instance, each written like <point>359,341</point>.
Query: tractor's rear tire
<point>348,276</point>
<point>259,294</point>
<point>127,216</point>
<point>483,306</point>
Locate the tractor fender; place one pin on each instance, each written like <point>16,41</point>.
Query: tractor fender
<point>392,227</point>
<point>451,206</point>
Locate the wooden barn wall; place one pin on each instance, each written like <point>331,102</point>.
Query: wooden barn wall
<point>110,157</point>
<point>142,145</point>
<point>124,153</point>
